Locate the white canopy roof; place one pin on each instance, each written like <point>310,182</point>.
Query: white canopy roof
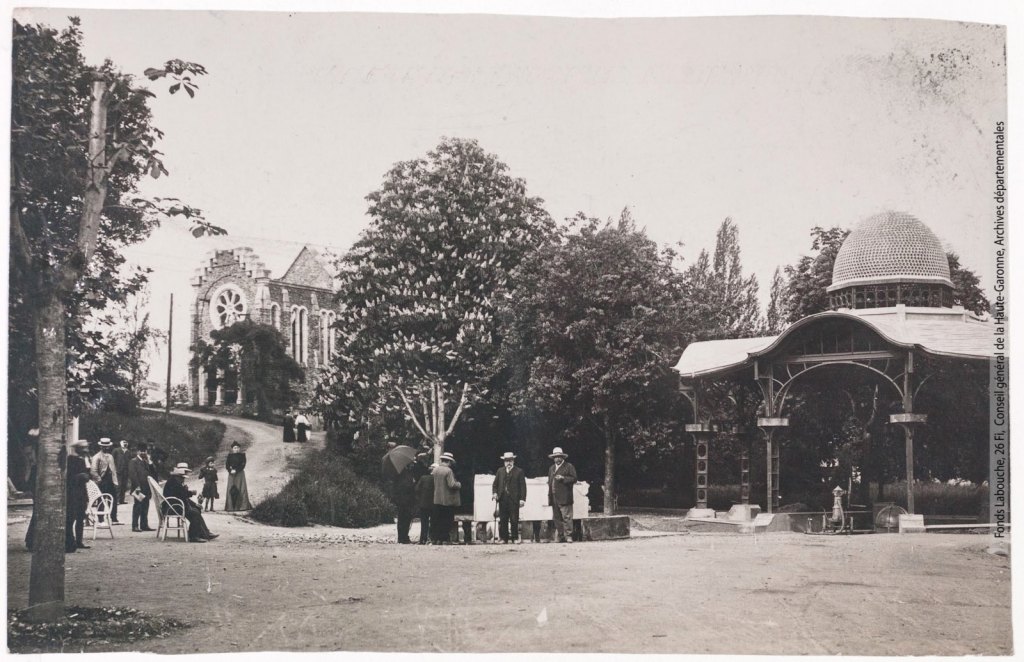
<point>940,331</point>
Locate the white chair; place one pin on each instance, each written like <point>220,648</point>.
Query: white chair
<point>99,514</point>
<point>174,519</point>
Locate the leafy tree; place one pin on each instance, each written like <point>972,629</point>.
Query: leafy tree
<point>722,298</point>
<point>420,288</point>
<point>119,376</point>
<point>81,138</point>
<point>594,325</point>
<point>258,355</point>
<point>775,317</point>
<point>967,290</point>
<point>181,394</point>
<point>812,274</point>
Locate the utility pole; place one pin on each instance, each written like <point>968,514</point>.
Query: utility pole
<point>170,337</point>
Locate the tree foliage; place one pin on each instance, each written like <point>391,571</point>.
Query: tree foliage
<point>776,315</point>
<point>967,290</point>
<point>116,376</point>
<point>812,274</point>
<point>82,137</point>
<point>258,357</point>
<point>419,291</point>
<point>721,296</point>
<point>594,327</point>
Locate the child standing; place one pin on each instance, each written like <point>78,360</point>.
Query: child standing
<point>209,476</point>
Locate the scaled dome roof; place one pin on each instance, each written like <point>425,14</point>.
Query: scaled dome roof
<point>890,247</point>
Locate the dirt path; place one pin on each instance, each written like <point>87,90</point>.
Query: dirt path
<point>269,462</point>
<point>259,588</point>
<point>263,588</point>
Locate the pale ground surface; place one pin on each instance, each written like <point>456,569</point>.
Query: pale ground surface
<point>260,588</point>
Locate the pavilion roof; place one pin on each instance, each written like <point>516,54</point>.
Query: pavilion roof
<point>941,332</point>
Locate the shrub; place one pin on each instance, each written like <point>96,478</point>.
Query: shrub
<point>966,499</point>
<point>326,491</point>
<point>282,509</point>
<point>183,439</point>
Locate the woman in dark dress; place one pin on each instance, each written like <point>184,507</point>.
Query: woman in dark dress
<point>237,492</point>
<point>289,427</point>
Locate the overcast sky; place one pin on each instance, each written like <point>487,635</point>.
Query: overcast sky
<point>782,123</point>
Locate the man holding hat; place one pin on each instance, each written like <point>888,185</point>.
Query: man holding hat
<point>446,500</point>
<point>175,487</point>
<point>509,490</point>
<point>105,468</point>
<point>561,477</point>
<point>77,495</point>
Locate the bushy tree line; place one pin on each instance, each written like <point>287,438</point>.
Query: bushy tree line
<point>472,322</point>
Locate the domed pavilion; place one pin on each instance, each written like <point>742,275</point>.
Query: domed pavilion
<point>891,301</point>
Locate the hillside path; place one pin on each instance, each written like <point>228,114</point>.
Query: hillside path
<point>269,462</point>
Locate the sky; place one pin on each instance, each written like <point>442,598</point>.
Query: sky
<point>781,123</point>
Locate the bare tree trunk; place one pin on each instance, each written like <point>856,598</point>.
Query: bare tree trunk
<point>46,578</point>
<point>609,471</point>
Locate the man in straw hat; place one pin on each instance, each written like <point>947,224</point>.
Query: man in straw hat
<point>104,467</point>
<point>561,477</point>
<point>509,490</point>
<point>175,487</point>
<point>446,500</point>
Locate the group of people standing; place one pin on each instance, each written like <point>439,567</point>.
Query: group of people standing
<point>296,427</point>
<point>124,473</point>
<point>434,494</point>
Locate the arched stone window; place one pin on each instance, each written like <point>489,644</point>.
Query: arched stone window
<point>299,337</point>
<point>332,335</point>
<point>275,316</point>
<point>327,335</point>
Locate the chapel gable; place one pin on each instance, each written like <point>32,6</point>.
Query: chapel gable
<point>309,271</point>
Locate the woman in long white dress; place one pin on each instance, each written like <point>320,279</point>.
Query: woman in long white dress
<point>302,426</point>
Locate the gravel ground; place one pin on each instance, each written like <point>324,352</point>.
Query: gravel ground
<point>262,588</point>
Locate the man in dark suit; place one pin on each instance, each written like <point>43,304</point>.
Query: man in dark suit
<point>139,471</point>
<point>175,487</point>
<point>77,497</point>
<point>561,478</point>
<point>403,493</point>
<point>509,490</point>
<point>121,459</point>
<point>425,496</point>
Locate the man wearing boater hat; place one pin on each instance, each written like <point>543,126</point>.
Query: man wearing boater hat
<point>561,477</point>
<point>175,487</point>
<point>509,490</point>
<point>446,500</point>
<point>105,468</point>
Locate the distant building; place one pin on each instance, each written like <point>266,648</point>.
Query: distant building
<point>235,284</point>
